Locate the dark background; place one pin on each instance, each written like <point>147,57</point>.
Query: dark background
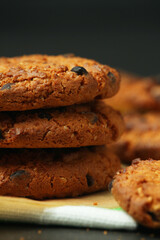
<point>121,33</point>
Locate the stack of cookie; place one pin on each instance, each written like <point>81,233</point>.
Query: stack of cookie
<point>52,130</point>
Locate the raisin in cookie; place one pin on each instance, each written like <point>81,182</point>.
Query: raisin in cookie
<point>137,94</point>
<point>41,81</point>
<point>137,190</point>
<point>141,138</point>
<point>72,126</point>
<point>49,173</point>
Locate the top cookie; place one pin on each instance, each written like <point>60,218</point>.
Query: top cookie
<point>137,94</point>
<point>41,81</point>
<point>136,189</point>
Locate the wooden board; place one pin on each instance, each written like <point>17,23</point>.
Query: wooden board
<point>11,205</point>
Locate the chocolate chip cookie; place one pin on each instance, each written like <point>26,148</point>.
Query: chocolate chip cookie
<point>141,138</point>
<point>137,94</point>
<point>50,173</point>
<point>73,126</point>
<point>41,81</point>
<point>136,189</point>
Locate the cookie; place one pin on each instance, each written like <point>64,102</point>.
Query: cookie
<point>50,173</point>
<point>73,126</point>
<point>136,189</point>
<point>41,81</point>
<point>137,94</point>
<point>141,138</point>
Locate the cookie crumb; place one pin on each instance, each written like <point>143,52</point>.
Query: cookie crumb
<point>142,239</point>
<point>105,232</point>
<point>39,231</point>
<point>21,238</point>
<point>95,203</point>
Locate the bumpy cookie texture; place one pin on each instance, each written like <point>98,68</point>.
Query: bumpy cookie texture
<point>41,81</point>
<point>137,191</point>
<point>141,138</point>
<point>74,126</point>
<point>41,174</point>
<point>137,94</point>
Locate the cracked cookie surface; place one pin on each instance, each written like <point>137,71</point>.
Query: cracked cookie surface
<point>73,126</point>
<point>136,189</point>
<point>49,173</point>
<point>41,81</point>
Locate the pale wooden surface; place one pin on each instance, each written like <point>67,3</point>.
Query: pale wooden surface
<point>12,204</point>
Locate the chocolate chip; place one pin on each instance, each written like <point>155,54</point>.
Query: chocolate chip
<point>90,180</point>
<point>111,77</point>
<point>92,117</point>
<point>7,86</point>
<point>110,185</point>
<point>44,115</point>
<point>155,216</point>
<point>1,134</point>
<point>79,70</point>
<point>18,173</point>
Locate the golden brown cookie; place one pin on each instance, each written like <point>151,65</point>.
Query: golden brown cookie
<point>74,126</point>
<point>137,190</point>
<point>41,81</point>
<point>141,138</point>
<point>137,94</point>
<point>51,173</point>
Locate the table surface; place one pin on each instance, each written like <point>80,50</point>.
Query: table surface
<point>16,231</point>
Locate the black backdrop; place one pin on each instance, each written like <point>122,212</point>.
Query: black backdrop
<point>121,33</point>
